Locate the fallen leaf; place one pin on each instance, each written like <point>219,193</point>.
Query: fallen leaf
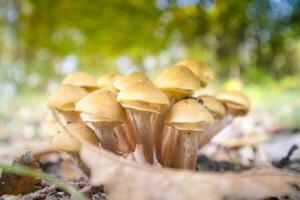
<point>129,180</point>
<point>14,184</point>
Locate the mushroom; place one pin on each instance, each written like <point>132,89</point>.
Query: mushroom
<point>81,79</point>
<point>236,102</point>
<point>189,117</point>
<point>218,111</point>
<point>109,79</point>
<point>63,101</point>
<point>66,142</point>
<point>124,81</point>
<point>101,111</point>
<point>143,99</point>
<point>177,82</point>
<point>200,69</point>
<point>129,127</point>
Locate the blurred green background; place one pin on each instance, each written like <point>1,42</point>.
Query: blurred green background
<point>252,45</point>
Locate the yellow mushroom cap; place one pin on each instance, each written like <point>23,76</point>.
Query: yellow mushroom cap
<point>215,106</point>
<point>252,139</point>
<point>65,142</point>
<point>81,79</point>
<point>179,79</point>
<point>124,81</point>
<point>109,79</point>
<point>235,102</point>
<point>143,95</point>
<point>102,104</point>
<point>191,113</point>
<point>200,69</point>
<point>65,96</point>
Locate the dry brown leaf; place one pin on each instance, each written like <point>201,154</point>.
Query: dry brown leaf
<point>128,180</point>
<point>15,184</point>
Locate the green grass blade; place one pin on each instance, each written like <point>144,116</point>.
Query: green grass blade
<point>25,171</point>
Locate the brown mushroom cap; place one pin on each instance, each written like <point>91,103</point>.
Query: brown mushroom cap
<point>143,95</point>
<point>109,79</point>
<point>81,79</point>
<point>189,115</point>
<point>124,81</point>
<point>178,81</point>
<point>102,105</point>
<point>200,69</point>
<point>65,142</point>
<point>235,101</point>
<point>65,96</point>
<point>215,106</point>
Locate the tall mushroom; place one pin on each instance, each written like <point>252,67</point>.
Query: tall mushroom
<point>200,69</point>
<point>63,99</point>
<point>101,111</point>
<point>177,82</point>
<point>142,99</point>
<point>81,79</point>
<point>189,117</point>
<point>129,127</point>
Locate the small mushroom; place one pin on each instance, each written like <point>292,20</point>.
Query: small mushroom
<point>189,117</point>
<point>81,79</point>
<point>142,99</point>
<point>124,81</point>
<point>101,111</point>
<point>218,111</point>
<point>177,82</point>
<point>63,101</point>
<point>236,102</point>
<point>200,69</point>
<point>109,79</point>
<point>66,142</point>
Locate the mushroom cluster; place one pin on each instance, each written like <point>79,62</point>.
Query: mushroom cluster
<point>160,123</point>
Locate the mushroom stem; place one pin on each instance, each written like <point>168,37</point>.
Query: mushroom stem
<point>157,122</point>
<point>212,130</point>
<point>123,143</point>
<point>189,148</point>
<point>106,135</point>
<point>131,131</point>
<point>169,146</point>
<point>143,125</point>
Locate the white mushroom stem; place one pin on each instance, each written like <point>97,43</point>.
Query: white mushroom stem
<point>143,125</point>
<point>213,129</point>
<point>189,148</point>
<point>106,135</point>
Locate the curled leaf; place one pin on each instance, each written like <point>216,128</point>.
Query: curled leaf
<point>129,180</point>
